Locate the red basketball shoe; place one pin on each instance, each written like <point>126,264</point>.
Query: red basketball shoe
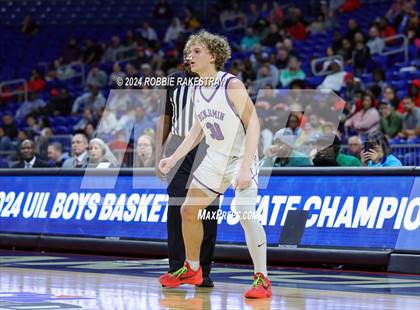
<point>184,275</point>
<point>261,287</point>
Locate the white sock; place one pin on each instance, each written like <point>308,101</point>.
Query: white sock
<point>254,232</point>
<point>194,264</point>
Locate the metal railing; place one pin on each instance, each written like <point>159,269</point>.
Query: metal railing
<point>16,91</point>
<point>389,50</point>
<point>322,60</point>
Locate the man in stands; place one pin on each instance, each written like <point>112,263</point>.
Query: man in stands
<point>355,146</point>
<point>29,160</point>
<point>56,154</point>
<point>79,146</point>
<point>411,120</point>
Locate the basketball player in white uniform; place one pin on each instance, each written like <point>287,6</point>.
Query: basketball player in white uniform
<point>226,117</point>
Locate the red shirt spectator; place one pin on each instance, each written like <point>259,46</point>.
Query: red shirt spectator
<point>298,31</point>
<point>350,5</point>
<point>413,93</point>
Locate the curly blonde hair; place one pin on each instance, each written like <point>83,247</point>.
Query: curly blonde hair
<point>218,46</point>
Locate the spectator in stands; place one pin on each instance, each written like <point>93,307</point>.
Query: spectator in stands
<point>360,57</point>
<point>349,6</point>
<point>145,154</point>
<point>141,121</point>
<point>386,30</point>
<point>191,23</point>
<point>283,153</point>
<point>391,121</point>
<point>293,72</point>
<point>91,52</point>
<point>32,105</point>
<point>114,51</point>
<point>29,160</point>
<point>79,147</point>
<point>121,148</point>
<point>264,78</point>
<point>414,92</point>
<point>250,39</point>
<point>379,80</point>
<point>282,57</point>
<point>253,15</point>
<point>378,153</point>
<point>295,24</point>
<point>411,120</point>
<point>131,70</point>
<point>353,85</point>
<point>61,103</point>
<point>116,74</point>
<point>318,25</point>
<point>174,30</point>
<point>337,41</point>
<point>355,146</point>
<point>293,123</point>
<point>273,36</point>
<point>130,45</point>
<point>36,82</point>
<point>97,77</point>
<point>6,144</point>
<point>108,123</point>
<point>266,98</point>
<point>334,80</point>
<point>88,117</point>
<point>345,50</point>
<point>149,34</point>
<point>56,154</point>
<point>92,99</point>
<point>9,126</point>
<point>367,119</point>
<point>100,156</point>
<point>389,95</point>
<point>375,42</point>
<point>162,10</point>
<point>332,155</point>
<point>352,28</point>
<point>32,126</point>
<point>90,131</point>
<point>72,53</point>
<point>276,13</point>
<point>29,26</point>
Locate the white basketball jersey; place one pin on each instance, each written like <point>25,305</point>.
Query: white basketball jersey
<point>222,126</point>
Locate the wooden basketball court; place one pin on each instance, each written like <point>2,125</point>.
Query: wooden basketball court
<point>32,280</point>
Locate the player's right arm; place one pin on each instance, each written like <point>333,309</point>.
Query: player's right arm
<point>193,138</point>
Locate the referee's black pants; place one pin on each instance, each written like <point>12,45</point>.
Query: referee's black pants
<point>177,191</point>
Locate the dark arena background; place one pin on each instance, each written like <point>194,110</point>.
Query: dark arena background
<point>78,232</point>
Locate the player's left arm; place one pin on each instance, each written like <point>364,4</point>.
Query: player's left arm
<point>245,108</point>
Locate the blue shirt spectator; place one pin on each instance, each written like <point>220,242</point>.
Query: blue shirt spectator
<point>389,161</point>
<point>378,153</point>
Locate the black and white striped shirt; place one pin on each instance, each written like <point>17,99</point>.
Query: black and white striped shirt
<point>179,107</point>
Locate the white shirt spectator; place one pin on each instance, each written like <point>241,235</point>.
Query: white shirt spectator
<point>173,31</point>
<point>333,81</point>
<point>376,45</point>
<point>88,101</point>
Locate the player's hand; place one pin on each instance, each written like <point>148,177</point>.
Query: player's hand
<point>166,164</point>
<point>243,179</point>
<point>158,173</point>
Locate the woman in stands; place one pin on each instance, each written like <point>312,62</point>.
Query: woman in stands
<point>100,156</point>
<point>378,153</point>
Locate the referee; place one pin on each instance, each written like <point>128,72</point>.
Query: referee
<point>177,119</point>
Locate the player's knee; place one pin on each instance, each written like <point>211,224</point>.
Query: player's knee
<point>188,213</point>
